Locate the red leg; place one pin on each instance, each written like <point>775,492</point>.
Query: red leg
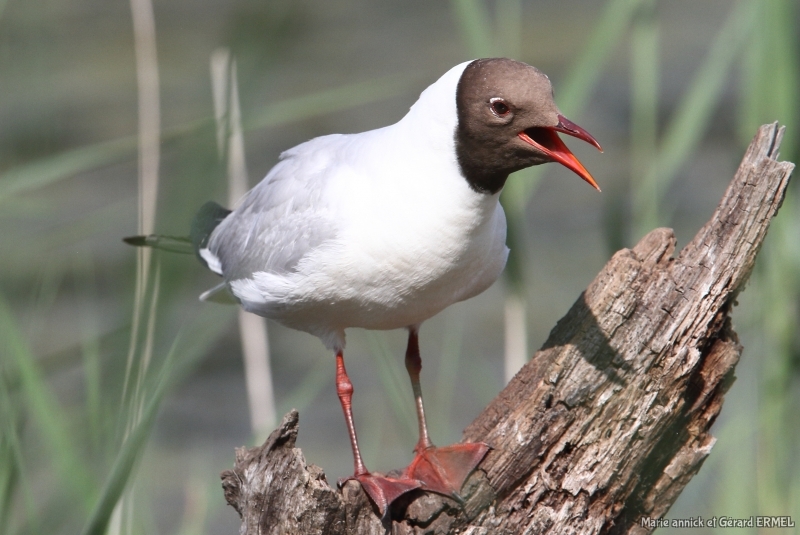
<point>414,366</point>
<point>441,470</point>
<point>344,389</point>
<point>382,490</point>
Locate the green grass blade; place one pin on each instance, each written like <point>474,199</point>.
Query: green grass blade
<point>394,382</point>
<point>13,475</point>
<point>770,76</point>
<point>573,93</point>
<point>201,501</point>
<point>508,28</point>
<point>754,66</point>
<point>90,349</point>
<point>449,364</point>
<point>734,460</point>
<point>690,121</point>
<point>474,23</point>
<point>770,73</point>
<point>38,250</point>
<point>330,100</point>
<point>189,346</point>
<point>44,409</point>
<point>45,171</point>
<point>606,37</point>
<point>124,463</point>
<point>644,116</point>
<point>51,169</point>
<point>45,291</point>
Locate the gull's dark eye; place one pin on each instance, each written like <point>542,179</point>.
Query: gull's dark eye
<point>499,107</point>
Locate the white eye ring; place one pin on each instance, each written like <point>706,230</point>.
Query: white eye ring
<point>499,107</point>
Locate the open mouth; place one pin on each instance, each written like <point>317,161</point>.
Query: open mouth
<point>547,141</point>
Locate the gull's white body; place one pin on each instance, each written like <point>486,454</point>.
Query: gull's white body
<point>377,230</point>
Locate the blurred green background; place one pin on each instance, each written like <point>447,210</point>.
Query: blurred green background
<point>120,404</point>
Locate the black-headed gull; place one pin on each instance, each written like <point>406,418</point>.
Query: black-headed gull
<point>386,228</point>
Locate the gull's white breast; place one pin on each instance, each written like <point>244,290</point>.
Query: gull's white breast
<point>376,230</point>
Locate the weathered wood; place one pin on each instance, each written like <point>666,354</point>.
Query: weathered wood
<point>607,423</point>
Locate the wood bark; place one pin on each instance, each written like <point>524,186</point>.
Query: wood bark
<point>606,424</point>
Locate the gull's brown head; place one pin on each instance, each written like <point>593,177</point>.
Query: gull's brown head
<point>507,121</point>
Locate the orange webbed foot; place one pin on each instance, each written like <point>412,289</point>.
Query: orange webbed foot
<point>444,470</point>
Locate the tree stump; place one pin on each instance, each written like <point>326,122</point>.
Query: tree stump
<point>606,424</point>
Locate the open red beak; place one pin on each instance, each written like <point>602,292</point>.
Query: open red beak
<point>546,140</point>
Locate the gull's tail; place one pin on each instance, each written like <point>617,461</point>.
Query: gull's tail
<point>208,217</point>
<point>173,244</point>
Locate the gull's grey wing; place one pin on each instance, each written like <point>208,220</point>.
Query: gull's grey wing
<point>284,217</point>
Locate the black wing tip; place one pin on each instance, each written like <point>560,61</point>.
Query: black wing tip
<point>172,244</point>
<point>136,241</point>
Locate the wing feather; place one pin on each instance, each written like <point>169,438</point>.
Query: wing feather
<point>285,217</point>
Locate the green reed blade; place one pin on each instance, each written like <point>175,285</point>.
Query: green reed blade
<point>189,347</point>
<point>691,119</point>
<point>474,22</point>
<point>45,171</point>
<point>44,409</point>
